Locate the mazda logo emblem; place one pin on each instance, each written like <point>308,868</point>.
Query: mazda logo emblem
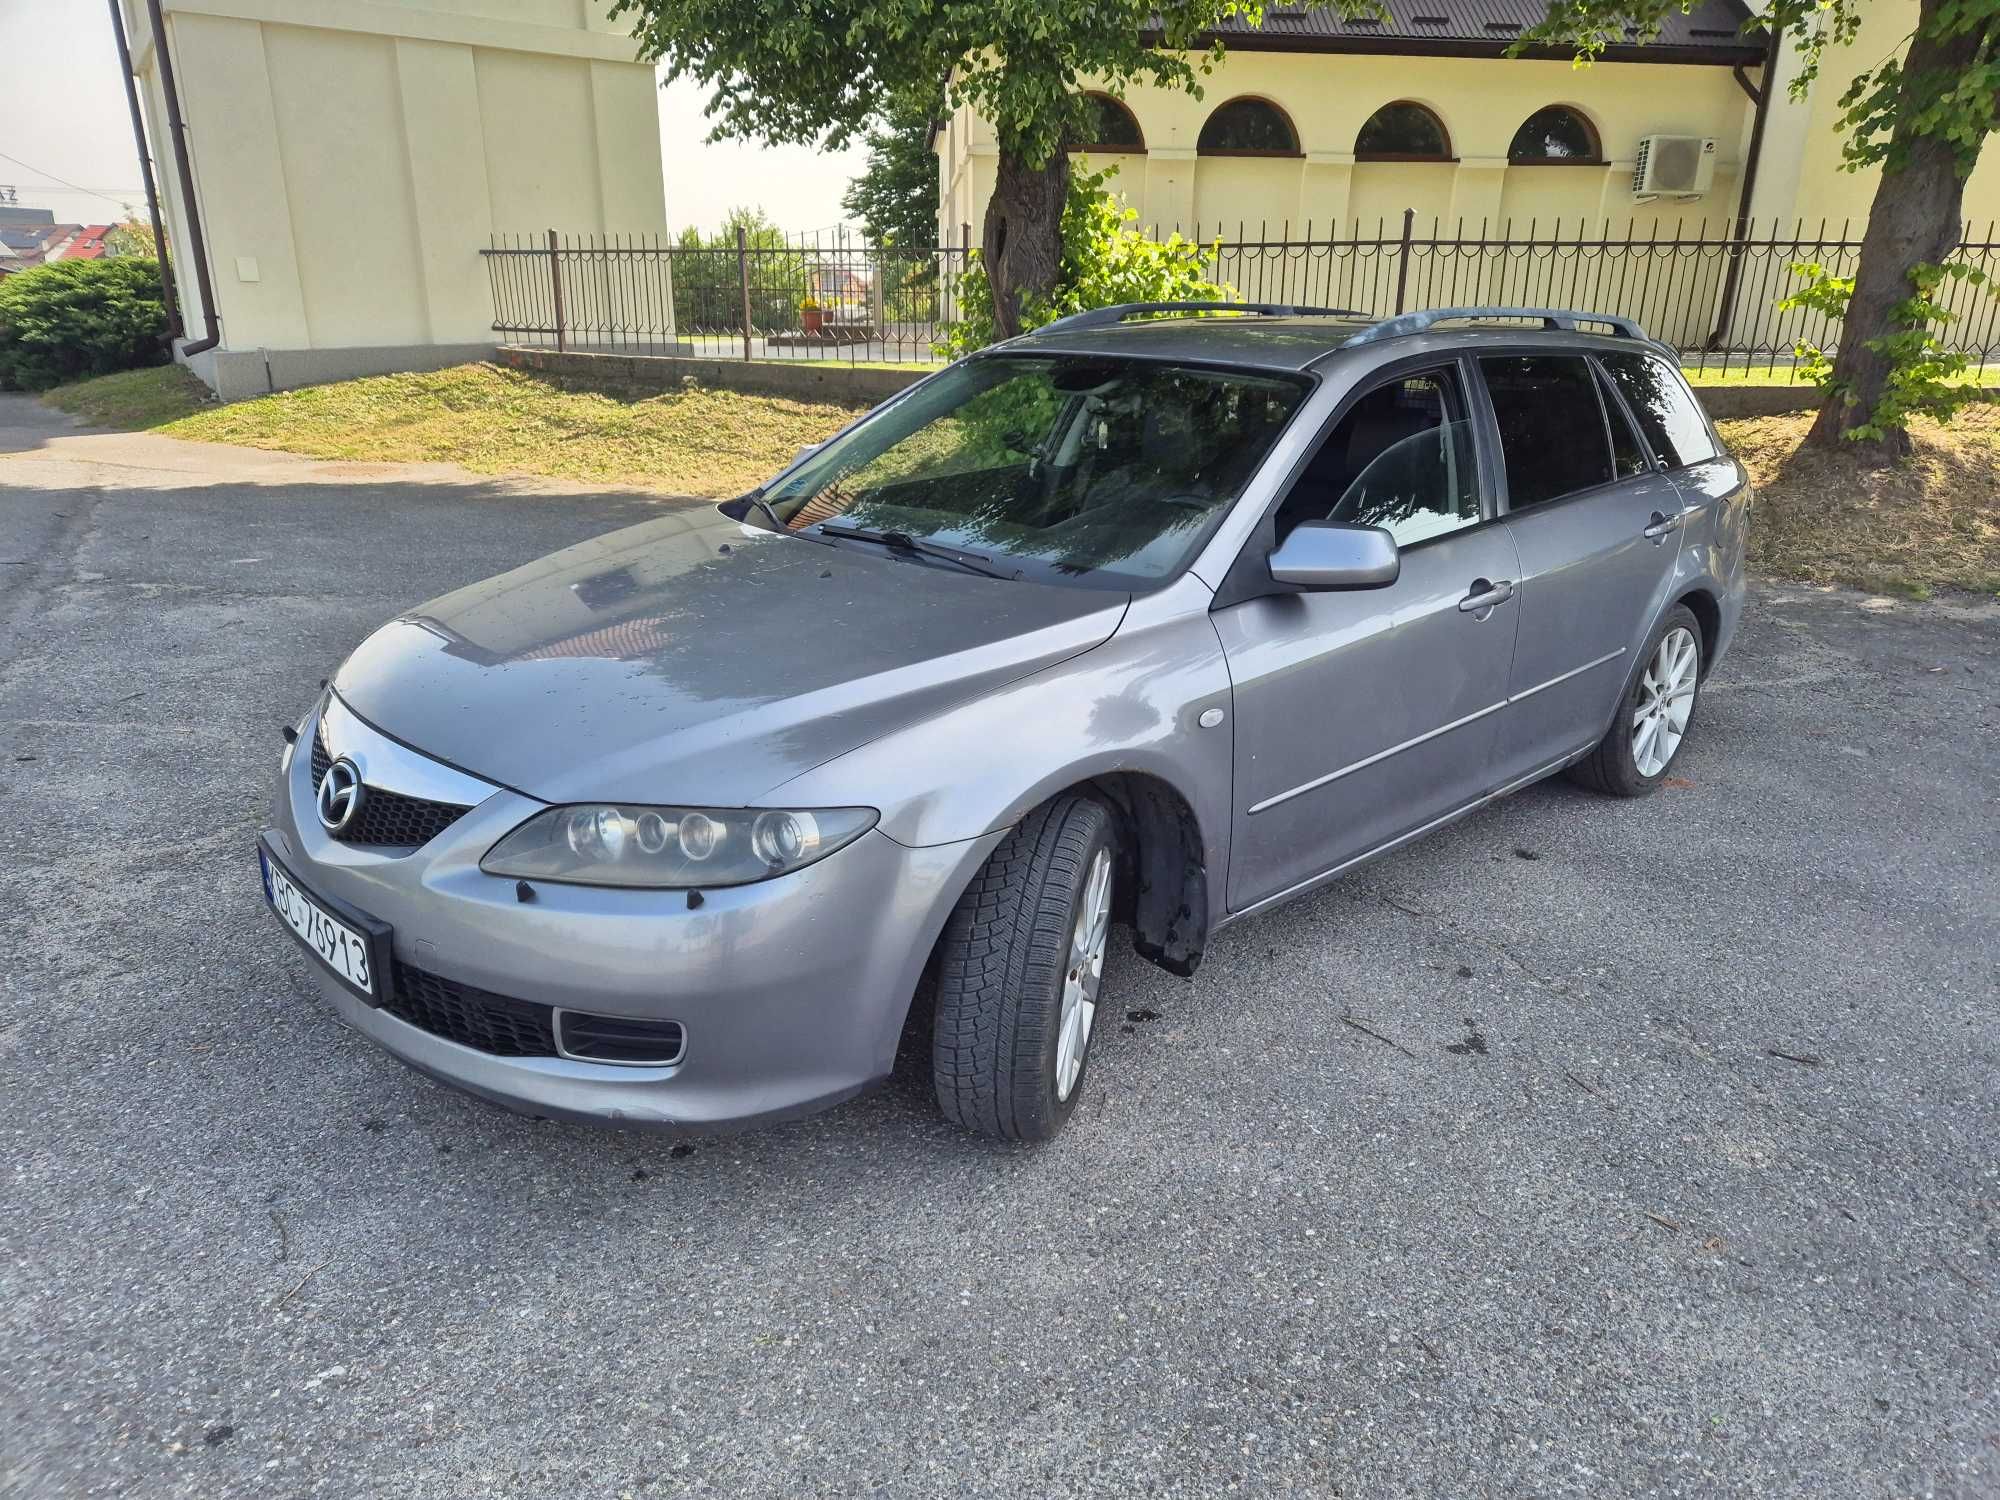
<point>340,793</point>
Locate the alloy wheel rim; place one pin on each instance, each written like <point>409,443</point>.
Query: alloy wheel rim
<point>1664,700</point>
<point>1084,974</point>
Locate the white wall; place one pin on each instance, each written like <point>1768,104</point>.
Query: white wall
<point>352,157</point>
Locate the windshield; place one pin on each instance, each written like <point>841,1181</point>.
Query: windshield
<point>1106,473</point>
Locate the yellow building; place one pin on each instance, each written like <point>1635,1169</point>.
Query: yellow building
<point>350,159</point>
<point>1316,128</point>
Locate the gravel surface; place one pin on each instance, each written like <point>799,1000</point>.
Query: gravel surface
<point>1586,1148</point>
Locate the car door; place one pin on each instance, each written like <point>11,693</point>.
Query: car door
<point>1362,715</point>
<point>1705,476</point>
<point>1595,523</point>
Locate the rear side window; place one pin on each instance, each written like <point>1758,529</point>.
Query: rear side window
<point>1552,432</point>
<point>1625,450</point>
<point>1665,407</point>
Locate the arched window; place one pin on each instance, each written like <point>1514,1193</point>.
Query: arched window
<point>1248,127</point>
<point>1403,131</point>
<point>1111,127</point>
<point>1556,134</point>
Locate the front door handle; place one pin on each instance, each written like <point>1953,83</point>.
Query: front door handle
<point>1664,523</point>
<point>1485,595</point>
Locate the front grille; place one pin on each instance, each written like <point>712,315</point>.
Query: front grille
<point>385,817</point>
<point>470,1016</point>
<point>507,1027</point>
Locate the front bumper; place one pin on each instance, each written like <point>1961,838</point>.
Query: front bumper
<point>793,991</point>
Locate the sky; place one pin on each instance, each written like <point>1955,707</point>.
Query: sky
<point>66,135</point>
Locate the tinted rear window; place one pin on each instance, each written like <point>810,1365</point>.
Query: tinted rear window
<point>1666,409</point>
<point>1552,432</point>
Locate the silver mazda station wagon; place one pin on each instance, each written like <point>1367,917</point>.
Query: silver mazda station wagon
<point>1148,617</point>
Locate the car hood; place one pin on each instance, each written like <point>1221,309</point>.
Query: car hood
<point>697,659</point>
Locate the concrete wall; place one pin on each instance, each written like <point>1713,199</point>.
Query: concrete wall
<point>799,379</point>
<point>352,157</point>
<point>1803,140</point>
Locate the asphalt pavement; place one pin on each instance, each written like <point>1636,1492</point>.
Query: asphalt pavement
<point>1586,1148</point>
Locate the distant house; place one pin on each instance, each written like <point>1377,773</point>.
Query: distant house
<point>350,160</point>
<point>35,243</point>
<point>86,243</point>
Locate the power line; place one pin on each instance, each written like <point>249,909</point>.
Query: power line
<point>39,172</point>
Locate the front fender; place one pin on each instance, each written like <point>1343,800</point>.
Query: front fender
<point>1131,706</point>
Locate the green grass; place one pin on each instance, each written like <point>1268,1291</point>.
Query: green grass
<point>692,440</point>
<point>1785,375</point>
<point>133,398</point>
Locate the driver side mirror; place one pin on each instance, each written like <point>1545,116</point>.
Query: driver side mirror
<point>1333,555</point>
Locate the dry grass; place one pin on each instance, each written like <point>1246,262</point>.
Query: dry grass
<point>133,398</point>
<point>1927,526</point>
<point>692,441</point>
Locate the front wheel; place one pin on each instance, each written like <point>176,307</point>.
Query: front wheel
<point>1633,757</point>
<point>1019,968</point>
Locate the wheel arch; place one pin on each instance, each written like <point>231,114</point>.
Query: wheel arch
<point>1161,847</point>
<point>1707,611</point>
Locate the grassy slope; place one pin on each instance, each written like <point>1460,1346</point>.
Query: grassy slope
<point>1932,525</point>
<point>490,420</point>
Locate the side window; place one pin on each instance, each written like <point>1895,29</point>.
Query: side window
<point>1665,407</point>
<point>1552,432</point>
<point>1402,459</point>
<point>1626,453</point>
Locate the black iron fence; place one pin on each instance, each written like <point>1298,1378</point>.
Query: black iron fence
<point>1712,292</point>
<point>820,300</point>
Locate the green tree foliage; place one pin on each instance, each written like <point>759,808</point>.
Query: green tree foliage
<point>77,318</point>
<point>133,237</point>
<point>812,70</point>
<point>1922,115</point>
<point>708,287</point>
<point>1925,378</point>
<point>1105,261</point>
<point>896,196</point>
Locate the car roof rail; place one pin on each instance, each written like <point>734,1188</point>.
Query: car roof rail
<point>1561,318</point>
<point>1107,317</point>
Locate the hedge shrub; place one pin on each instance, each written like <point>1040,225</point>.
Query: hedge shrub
<point>78,318</point>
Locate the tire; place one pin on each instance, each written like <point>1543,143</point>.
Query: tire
<point>1616,767</point>
<point>1000,1062</point>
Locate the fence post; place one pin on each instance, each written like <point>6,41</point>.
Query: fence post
<point>743,281</point>
<point>555,283</point>
<point>1403,258</point>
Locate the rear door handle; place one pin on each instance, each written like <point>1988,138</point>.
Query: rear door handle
<point>1663,524</point>
<point>1485,595</point>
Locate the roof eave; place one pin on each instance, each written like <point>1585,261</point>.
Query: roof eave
<point>1720,55</point>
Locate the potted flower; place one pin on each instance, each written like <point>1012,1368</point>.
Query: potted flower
<point>810,315</point>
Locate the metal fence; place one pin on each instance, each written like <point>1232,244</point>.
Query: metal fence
<point>832,299</point>
<point>1711,292</point>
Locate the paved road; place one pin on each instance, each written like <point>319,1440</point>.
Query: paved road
<point>1668,1161</point>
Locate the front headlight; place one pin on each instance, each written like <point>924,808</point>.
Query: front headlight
<point>596,843</point>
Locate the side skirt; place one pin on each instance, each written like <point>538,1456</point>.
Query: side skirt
<point>1314,882</point>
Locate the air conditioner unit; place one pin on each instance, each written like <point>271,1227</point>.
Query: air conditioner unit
<point>1678,166</point>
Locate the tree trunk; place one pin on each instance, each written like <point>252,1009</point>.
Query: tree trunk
<point>1914,220</point>
<point>1022,240</point>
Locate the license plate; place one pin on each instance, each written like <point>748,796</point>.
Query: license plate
<point>341,945</point>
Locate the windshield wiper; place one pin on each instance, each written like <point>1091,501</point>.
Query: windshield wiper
<point>902,541</point>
